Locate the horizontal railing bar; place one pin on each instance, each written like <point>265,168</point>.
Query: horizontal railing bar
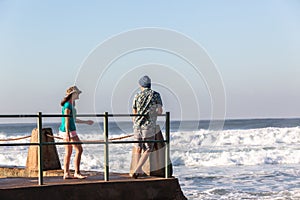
<point>125,142</point>
<point>93,115</point>
<point>66,143</point>
<point>19,144</point>
<point>56,115</point>
<point>79,115</point>
<point>32,116</point>
<point>109,115</point>
<point>129,115</point>
<point>17,116</point>
<point>110,142</point>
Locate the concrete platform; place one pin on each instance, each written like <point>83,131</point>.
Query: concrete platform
<point>120,186</point>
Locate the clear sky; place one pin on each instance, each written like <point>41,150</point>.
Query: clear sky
<point>254,44</point>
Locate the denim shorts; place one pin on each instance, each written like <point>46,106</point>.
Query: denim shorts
<point>64,134</point>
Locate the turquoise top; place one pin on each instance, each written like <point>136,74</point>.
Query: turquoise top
<point>72,126</point>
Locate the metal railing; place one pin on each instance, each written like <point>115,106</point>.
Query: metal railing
<point>106,141</point>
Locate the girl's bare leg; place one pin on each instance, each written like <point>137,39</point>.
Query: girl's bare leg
<point>68,153</point>
<point>78,148</point>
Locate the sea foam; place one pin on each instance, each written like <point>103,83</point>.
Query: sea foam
<point>236,147</point>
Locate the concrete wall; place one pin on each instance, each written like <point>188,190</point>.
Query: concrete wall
<point>139,189</point>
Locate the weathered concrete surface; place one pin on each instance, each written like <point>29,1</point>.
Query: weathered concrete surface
<point>50,155</point>
<point>120,186</point>
<point>14,171</point>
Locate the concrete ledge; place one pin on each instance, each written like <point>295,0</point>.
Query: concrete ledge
<point>111,190</point>
<point>120,186</point>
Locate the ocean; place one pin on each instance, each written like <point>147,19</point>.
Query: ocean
<point>247,159</point>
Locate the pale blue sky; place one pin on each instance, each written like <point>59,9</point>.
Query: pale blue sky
<point>255,45</point>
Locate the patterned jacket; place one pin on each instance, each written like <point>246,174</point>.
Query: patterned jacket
<point>146,103</point>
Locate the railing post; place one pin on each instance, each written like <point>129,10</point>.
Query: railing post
<point>167,153</point>
<point>106,149</point>
<point>40,152</point>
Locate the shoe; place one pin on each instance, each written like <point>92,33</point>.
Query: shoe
<point>135,175</point>
<point>79,176</point>
<point>67,176</point>
<point>143,175</point>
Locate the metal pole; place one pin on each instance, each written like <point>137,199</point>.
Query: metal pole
<point>105,134</point>
<point>40,147</point>
<point>167,153</point>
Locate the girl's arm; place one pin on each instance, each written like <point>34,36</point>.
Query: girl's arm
<point>89,122</point>
<point>67,123</point>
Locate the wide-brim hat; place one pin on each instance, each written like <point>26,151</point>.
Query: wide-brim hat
<point>72,90</point>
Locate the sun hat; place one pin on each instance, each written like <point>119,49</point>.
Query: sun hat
<point>145,82</point>
<point>72,90</point>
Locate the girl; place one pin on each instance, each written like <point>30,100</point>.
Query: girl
<point>68,131</point>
